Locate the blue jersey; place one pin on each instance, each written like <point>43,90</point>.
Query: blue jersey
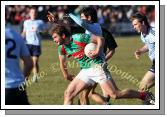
<point>91,28</point>
<point>33,29</point>
<point>149,40</point>
<point>14,49</point>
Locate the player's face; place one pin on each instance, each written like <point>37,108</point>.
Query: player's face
<point>84,17</point>
<point>137,25</point>
<point>33,13</point>
<point>56,38</point>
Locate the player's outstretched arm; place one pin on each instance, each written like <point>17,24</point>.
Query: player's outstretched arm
<point>51,17</point>
<point>141,51</point>
<point>91,27</point>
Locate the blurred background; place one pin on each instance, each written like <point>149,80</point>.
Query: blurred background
<point>115,18</point>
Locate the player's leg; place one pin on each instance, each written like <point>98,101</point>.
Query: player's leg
<point>148,79</point>
<point>111,89</point>
<point>105,95</point>
<point>75,87</point>
<point>78,84</point>
<point>35,68</point>
<point>96,97</point>
<point>127,93</point>
<point>36,52</point>
<point>83,96</point>
<point>100,76</point>
<point>118,94</point>
<point>147,82</point>
<point>35,65</point>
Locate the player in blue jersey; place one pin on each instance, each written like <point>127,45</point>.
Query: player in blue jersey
<point>141,25</point>
<point>15,49</point>
<point>32,32</point>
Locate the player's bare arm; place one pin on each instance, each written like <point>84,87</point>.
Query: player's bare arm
<point>23,34</point>
<point>63,67</point>
<point>109,54</point>
<point>99,41</point>
<point>141,51</point>
<point>51,17</point>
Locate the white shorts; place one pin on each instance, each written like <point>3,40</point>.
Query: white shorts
<point>94,75</point>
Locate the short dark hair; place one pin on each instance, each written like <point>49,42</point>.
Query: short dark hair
<point>33,7</point>
<point>60,30</point>
<point>141,18</point>
<point>90,11</point>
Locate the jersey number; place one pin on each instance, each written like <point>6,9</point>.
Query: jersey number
<point>9,51</point>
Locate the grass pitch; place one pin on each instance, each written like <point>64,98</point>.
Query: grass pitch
<point>125,70</point>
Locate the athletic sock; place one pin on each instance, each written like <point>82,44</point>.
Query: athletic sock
<point>142,95</point>
<point>107,99</point>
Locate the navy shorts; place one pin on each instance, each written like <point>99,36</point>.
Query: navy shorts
<point>152,69</point>
<point>34,50</point>
<point>15,97</point>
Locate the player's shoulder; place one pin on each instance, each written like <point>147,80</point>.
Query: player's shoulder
<point>59,47</point>
<point>61,50</point>
<point>97,25</point>
<point>40,21</point>
<point>12,34</point>
<point>142,38</point>
<point>152,31</point>
<point>9,32</point>
<point>80,36</point>
<point>27,20</point>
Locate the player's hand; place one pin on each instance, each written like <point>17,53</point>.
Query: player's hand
<point>51,17</point>
<point>93,54</point>
<point>26,78</point>
<point>69,77</point>
<point>68,56</point>
<point>137,54</point>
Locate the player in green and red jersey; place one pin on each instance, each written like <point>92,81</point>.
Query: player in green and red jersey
<point>93,69</point>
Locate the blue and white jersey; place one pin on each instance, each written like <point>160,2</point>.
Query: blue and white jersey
<point>33,29</point>
<point>91,28</point>
<point>149,40</point>
<point>14,48</point>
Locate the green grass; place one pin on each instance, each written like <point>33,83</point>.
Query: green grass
<point>51,85</point>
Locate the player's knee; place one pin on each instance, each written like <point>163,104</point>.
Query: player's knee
<point>68,94</point>
<point>90,94</point>
<point>114,95</point>
<point>142,86</point>
<point>35,64</point>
